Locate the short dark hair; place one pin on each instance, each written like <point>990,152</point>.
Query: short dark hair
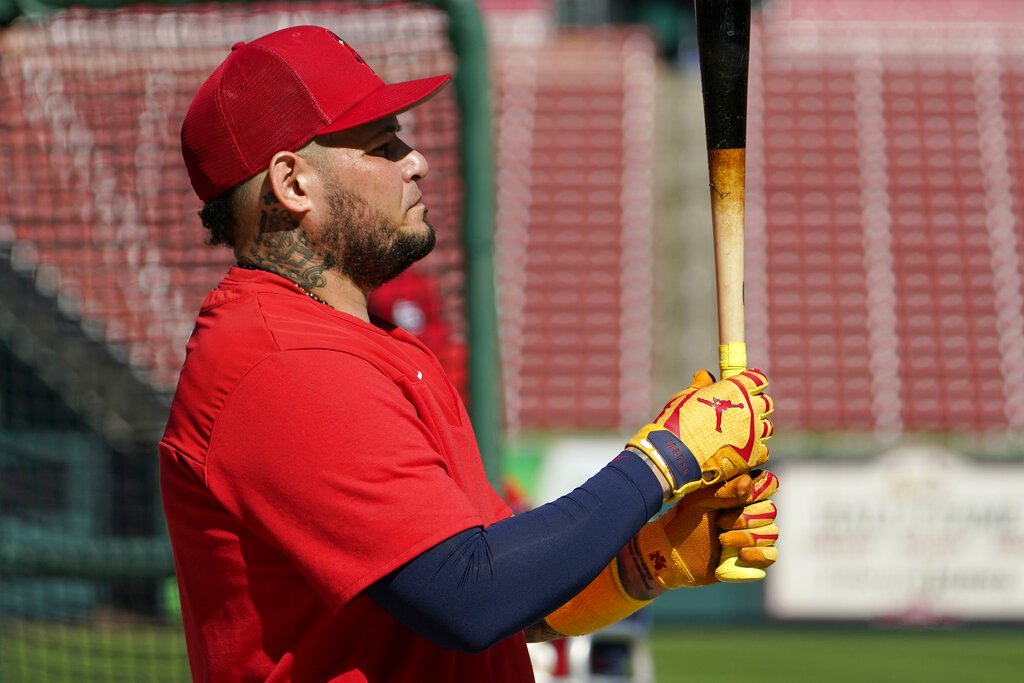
<point>218,216</point>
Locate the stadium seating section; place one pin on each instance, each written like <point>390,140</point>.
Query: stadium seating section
<point>575,208</point>
<point>886,144</point>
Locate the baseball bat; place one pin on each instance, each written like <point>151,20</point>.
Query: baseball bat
<point>723,46</point>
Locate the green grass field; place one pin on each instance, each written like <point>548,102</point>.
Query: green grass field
<point>41,652</point>
<point>35,652</point>
<point>776,654</point>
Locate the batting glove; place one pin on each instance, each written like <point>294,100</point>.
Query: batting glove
<point>683,546</point>
<point>709,432</point>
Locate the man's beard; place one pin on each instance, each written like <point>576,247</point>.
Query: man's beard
<point>364,245</point>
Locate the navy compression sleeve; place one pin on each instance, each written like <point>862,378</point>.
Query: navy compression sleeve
<point>483,585</point>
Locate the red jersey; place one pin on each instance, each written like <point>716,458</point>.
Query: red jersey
<point>307,455</point>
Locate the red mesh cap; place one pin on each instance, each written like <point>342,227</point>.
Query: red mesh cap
<point>277,93</point>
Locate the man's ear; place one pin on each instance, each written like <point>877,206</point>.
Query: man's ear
<point>291,179</point>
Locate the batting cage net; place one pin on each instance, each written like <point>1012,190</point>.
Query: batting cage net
<point>103,266</point>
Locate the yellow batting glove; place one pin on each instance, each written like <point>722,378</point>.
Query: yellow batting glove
<point>710,432</point>
<point>753,533</point>
<point>682,547</point>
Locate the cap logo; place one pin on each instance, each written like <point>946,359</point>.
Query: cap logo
<point>355,55</point>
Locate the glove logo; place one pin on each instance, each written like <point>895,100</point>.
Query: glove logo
<point>677,457</point>
<point>658,560</point>
<point>720,406</point>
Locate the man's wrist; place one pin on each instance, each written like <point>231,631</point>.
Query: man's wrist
<point>666,485</point>
<point>636,579</point>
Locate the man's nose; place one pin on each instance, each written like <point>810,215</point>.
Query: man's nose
<point>415,165</point>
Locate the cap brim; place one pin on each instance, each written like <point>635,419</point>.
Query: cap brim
<point>392,98</point>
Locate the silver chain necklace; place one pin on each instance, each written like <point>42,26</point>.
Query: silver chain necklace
<point>302,289</point>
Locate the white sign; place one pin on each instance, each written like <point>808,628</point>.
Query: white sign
<point>917,534</point>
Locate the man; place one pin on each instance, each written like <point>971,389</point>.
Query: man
<point>324,494</point>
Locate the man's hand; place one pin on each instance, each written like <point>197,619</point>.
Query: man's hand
<point>710,432</point>
<point>680,548</point>
<point>683,546</point>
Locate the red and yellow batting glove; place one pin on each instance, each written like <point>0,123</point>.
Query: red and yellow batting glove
<point>682,547</point>
<point>710,432</point>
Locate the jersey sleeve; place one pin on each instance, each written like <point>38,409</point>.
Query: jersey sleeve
<point>323,457</point>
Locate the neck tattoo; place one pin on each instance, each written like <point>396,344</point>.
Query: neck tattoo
<point>311,295</point>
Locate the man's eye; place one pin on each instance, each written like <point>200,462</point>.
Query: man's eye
<point>380,150</point>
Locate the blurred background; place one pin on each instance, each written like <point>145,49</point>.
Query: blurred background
<point>571,293</point>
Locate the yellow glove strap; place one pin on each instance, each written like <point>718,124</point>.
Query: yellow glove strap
<point>600,604</point>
